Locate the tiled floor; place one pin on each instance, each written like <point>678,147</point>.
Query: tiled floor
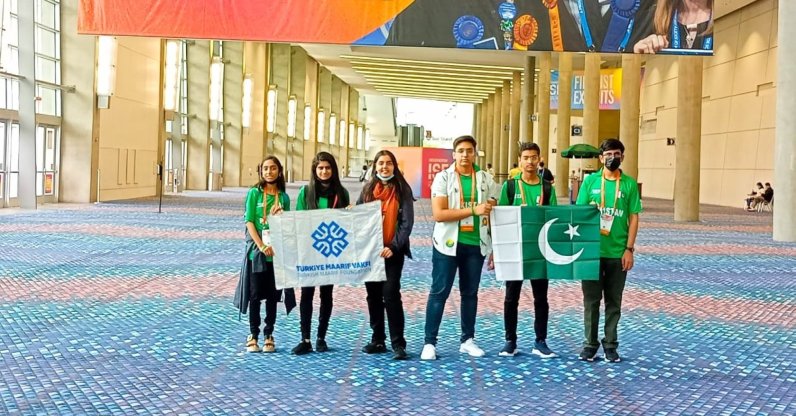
<point>116,309</point>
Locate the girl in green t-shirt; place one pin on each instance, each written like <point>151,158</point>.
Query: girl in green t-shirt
<point>323,191</point>
<point>265,199</point>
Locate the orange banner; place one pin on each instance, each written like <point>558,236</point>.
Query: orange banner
<point>316,21</point>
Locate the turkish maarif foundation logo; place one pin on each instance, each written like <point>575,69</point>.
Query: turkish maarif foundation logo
<point>330,239</point>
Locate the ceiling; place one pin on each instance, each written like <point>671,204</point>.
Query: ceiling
<point>434,73</point>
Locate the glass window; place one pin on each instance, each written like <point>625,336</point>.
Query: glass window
<point>3,92</point>
<point>45,42</point>
<point>13,95</point>
<point>13,164</point>
<point>49,149</point>
<point>39,148</point>
<point>47,70</point>
<point>2,149</point>
<point>46,13</point>
<point>48,100</point>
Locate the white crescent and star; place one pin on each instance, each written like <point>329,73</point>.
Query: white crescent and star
<point>551,255</point>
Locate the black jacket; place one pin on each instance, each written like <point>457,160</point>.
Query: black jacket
<point>406,220</point>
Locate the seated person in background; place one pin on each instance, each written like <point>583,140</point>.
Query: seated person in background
<point>751,196</point>
<point>765,195</point>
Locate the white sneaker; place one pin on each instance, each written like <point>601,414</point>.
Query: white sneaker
<point>429,352</point>
<point>471,348</point>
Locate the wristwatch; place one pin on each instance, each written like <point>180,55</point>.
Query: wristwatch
<point>630,249</point>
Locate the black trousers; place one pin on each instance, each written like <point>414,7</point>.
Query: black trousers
<point>305,309</point>
<point>263,288</point>
<point>541,309</point>
<point>387,295</point>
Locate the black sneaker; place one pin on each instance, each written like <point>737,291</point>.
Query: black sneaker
<point>509,350</point>
<point>611,355</point>
<point>588,354</point>
<point>320,345</point>
<point>374,348</point>
<point>302,348</point>
<point>541,349</point>
<point>399,353</point>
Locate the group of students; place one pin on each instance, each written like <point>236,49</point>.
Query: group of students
<point>462,197</point>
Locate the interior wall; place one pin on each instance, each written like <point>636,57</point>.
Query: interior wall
<point>129,129</point>
<point>738,111</point>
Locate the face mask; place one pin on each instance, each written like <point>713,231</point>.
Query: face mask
<point>612,163</point>
<point>384,178</point>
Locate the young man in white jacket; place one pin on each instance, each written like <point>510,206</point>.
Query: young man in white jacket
<point>462,197</point>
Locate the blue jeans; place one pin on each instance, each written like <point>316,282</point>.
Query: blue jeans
<point>468,261</point>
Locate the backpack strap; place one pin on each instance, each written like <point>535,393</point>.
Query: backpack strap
<point>546,189</point>
<point>511,189</point>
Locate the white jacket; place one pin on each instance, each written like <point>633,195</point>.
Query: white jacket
<point>446,234</point>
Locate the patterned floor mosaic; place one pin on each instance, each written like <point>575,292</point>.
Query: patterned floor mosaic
<point>116,309</point>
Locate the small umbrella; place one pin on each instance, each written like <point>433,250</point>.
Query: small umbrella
<point>581,151</point>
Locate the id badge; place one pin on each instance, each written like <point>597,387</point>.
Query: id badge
<point>606,222</point>
<point>267,237</point>
<point>467,224</point>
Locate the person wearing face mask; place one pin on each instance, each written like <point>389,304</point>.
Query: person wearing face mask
<point>323,191</point>
<point>264,200</point>
<point>397,207</point>
<point>617,197</point>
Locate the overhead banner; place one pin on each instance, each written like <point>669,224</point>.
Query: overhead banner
<point>610,89</point>
<point>328,246</point>
<point>614,26</point>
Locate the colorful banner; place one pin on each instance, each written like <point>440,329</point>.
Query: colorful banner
<point>328,246</point>
<point>610,89</point>
<point>615,26</point>
<point>434,161</point>
<point>49,178</point>
<point>420,164</point>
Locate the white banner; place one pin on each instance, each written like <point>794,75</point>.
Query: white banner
<point>328,246</point>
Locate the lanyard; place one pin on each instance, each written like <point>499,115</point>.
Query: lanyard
<point>707,41</point>
<point>520,183</point>
<point>621,21</point>
<point>461,190</point>
<point>277,203</point>
<point>555,24</point>
<point>602,191</point>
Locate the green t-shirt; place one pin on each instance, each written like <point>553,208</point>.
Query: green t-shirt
<point>533,193</point>
<point>254,209</point>
<point>472,238</point>
<point>323,203</point>
<point>612,245</point>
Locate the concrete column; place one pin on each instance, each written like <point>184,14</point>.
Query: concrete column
<point>629,113</point>
<point>543,108</point>
<point>198,105</point>
<point>505,119</point>
<point>255,57</point>
<point>280,77</point>
<point>233,107</point>
<point>483,128</point>
<point>311,99</point>
<point>345,115</point>
<point>515,125</point>
<point>689,138</point>
<point>497,127</point>
<point>477,128</point>
<point>785,145</point>
<point>27,107</point>
<point>325,102</point>
<point>527,103</point>
<point>591,104</point>
<point>296,144</point>
<point>79,134</point>
<point>354,159</point>
<point>562,129</point>
<point>336,109</point>
<point>485,142</point>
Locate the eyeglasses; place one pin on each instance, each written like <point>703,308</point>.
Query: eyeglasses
<point>465,151</point>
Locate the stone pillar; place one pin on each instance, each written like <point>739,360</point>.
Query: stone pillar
<point>505,113</point>
<point>280,78</point>
<point>785,145</point>
<point>345,111</point>
<point>515,125</point>
<point>477,111</point>
<point>298,79</point>
<point>255,58</point>
<point>543,108</point>
<point>527,102</point>
<point>689,138</point>
<point>233,108</point>
<point>311,98</point>
<point>26,179</point>
<point>493,157</point>
<point>591,102</point>
<point>325,103</point>
<point>629,113</point>
<point>564,111</point>
<point>198,126</point>
<point>485,141</point>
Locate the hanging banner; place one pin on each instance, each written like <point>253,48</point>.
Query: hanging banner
<point>328,246</point>
<point>615,26</point>
<point>610,89</point>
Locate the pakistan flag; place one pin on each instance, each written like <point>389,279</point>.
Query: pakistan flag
<point>546,242</point>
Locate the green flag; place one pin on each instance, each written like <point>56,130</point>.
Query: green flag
<point>547,242</point>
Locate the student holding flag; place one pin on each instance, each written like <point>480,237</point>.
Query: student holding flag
<point>323,191</point>
<point>617,197</point>
<point>398,217</point>
<point>462,197</point>
<point>264,200</point>
<point>527,189</point>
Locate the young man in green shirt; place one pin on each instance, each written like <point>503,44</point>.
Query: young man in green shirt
<point>527,188</point>
<point>617,197</point>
